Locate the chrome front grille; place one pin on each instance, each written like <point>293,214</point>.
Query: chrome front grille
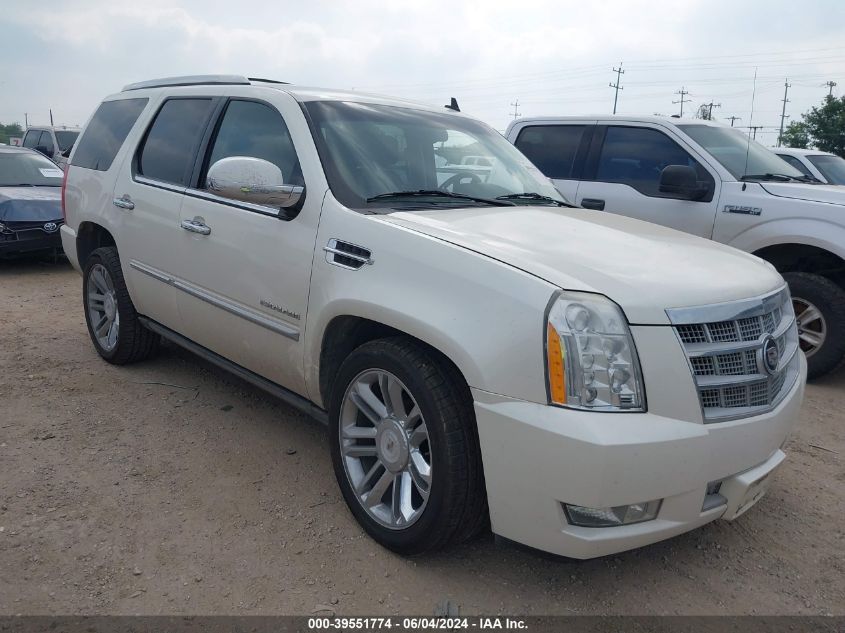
<point>726,345</point>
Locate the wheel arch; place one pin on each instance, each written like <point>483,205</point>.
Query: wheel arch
<point>89,237</point>
<point>344,333</point>
<point>808,258</point>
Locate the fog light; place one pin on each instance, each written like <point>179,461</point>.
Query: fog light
<point>610,517</point>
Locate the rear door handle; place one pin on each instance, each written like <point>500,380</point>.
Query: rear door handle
<point>196,226</point>
<point>593,203</point>
<point>124,202</point>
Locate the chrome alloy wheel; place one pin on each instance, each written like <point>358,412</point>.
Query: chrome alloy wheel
<point>812,328</point>
<point>384,445</point>
<point>102,307</point>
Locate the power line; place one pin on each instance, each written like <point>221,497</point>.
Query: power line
<point>516,111</point>
<point>734,118</point>
<point>783,114</point>
<point>619,72</point>
<point>683,93</point>
<point>754,129</point>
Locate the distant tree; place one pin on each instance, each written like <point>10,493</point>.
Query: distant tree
<point>826,125</point>
<point>10,129</point>
<point>703,112</point>
<point>796,135</point>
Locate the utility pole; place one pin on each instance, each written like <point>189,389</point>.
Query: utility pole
<point>754,129</point>
<point>783,115</point>
<point>51,117</point>
<point>516,111</point>
<point>683,92</point>
<point>710,107</point>
<point>26,119</point>
<point>734,118</point>
<point>619,72</point>
<point>831,85</point>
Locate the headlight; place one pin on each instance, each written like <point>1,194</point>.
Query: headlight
<point>591,359</point>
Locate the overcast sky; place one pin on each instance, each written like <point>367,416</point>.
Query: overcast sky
<point>554,57</point>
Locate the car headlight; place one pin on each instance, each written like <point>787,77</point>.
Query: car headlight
<point>590,356</point>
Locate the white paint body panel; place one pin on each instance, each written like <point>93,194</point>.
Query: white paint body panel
<point>472,283</point>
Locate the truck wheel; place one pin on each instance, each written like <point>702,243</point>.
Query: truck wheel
<point>405,449</point>
<point>820,313</point>
<point>113,323</point>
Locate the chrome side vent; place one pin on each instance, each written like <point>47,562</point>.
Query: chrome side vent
<point>347,255</point>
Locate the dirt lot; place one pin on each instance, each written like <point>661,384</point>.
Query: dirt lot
<point>119,494</point>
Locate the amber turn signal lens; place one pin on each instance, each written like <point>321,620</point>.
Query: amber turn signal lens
<point>557,372</point>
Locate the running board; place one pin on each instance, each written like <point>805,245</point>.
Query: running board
<point>285,395</point>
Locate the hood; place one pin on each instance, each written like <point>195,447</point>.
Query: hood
<point>830,194</point>
<point>30,204</point>
<point>643,267</point>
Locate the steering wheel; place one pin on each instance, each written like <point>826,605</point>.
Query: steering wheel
<point>458,179</point>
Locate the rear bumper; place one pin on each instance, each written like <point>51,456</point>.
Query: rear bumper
<point>537,458</point>
<point>68,237</point>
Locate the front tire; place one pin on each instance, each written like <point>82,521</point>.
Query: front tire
<point>820,312</point>
<point>113,324</point>
<point>404,447</point>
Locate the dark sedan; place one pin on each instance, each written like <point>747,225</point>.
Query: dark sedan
<point>30,202</point>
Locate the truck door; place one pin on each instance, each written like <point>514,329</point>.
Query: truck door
<point>622,175</point>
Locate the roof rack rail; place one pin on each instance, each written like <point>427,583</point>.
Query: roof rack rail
<point>268,81</point>
<point>190,80</point>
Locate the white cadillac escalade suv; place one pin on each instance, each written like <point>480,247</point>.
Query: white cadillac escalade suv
<point>479,349</point>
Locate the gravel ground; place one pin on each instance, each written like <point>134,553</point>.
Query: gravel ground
<point>171,487</point>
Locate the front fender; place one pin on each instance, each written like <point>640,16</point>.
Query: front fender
<point>821,233</point>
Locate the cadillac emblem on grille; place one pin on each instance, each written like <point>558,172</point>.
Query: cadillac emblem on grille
<point>769,355</point>
<point>51,227</point>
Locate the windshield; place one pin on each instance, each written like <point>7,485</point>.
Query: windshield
<point>832,167</point>
<point>66,139</point>
<point>28,169</point>
<point>370,150</point>
<point>729,146</point>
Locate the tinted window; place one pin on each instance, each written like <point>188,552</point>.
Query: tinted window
<point>46,142</point>
<point>106,132</point>
<point>257,130</point>
<point>635,156</point>
<point>796,163</point>
<point>66,139</point>
<point>832,167</point>
<point>31,138</point>
<point>171,144</point>
<point>552,147</point>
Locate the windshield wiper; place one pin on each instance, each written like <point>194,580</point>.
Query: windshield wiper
<point>18,184</point>
<point>775,177</point>
<point>534,196</point>
<point>439,193</point>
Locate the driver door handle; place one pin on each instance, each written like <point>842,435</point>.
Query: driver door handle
<point>196,226</point>
<point>124,202</point>
<point>593,203</point>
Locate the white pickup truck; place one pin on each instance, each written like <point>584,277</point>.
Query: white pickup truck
<point>472,341</point>
<point>709,180</point>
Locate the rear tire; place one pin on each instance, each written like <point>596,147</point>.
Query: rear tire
<point>424,392</point>
<point>821,303</point>
<point>113,324</point>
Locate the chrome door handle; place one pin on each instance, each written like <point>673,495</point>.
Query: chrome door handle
<point>124,202</point>
<point>196,226</point>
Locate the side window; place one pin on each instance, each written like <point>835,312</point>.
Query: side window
<point>552,148</point>
<point>105,133</point>
<point>168,151</point>
<point>797,164</point>
<point>46,141</point>
<point>31,139</point>
<point>636,156</point>
<point>249,128</point>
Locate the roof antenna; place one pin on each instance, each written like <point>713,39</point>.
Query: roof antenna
<point>453,105</point>
<point>750,123</point>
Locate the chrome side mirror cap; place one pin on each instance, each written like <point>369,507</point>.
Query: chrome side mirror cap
<point>252,180</point>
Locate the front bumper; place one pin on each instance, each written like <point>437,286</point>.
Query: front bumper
<point>537,457</point>
<point>28,240</point>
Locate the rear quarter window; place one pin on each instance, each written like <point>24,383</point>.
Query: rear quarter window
<point>105,133</point>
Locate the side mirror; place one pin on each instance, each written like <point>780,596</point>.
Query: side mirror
<point>682,181</point>
<point>252,180</point>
